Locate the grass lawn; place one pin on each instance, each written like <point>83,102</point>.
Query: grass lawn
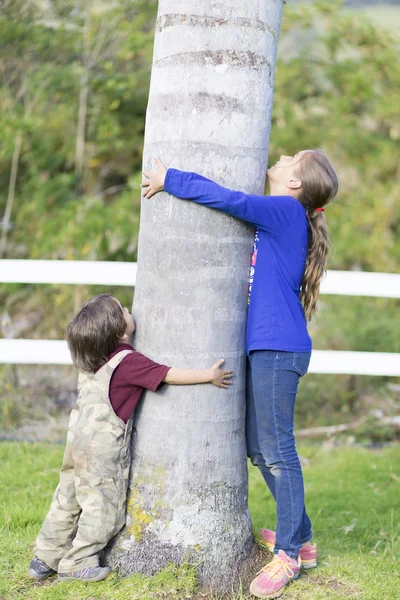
<point>353,498</point>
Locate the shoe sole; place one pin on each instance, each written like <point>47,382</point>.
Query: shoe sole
<point>308,564</point>
<point>33,575</point>
<point>92,579</point>
<point>276,594</point>
<point>305,564</point>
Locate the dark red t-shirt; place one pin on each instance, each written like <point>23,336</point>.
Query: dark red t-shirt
<point>134,374</point>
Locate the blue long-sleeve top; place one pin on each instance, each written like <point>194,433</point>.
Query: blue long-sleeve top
<point>276,318</point>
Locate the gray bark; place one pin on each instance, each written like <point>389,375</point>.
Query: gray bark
<point>11,194</point>
<point>83,100</point>
<point>209,111</point>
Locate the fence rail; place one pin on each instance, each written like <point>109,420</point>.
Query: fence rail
<point>348,283</point>
<point>68,271</point>
<point>55,352</point>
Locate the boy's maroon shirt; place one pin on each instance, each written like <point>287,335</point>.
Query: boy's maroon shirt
<point>134,374</point>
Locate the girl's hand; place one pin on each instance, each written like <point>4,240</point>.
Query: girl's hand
<point>219,377</point>
<point>155,181</point>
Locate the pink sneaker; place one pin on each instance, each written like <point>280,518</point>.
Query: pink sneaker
<point>307,553</point>
<point>274,577</point>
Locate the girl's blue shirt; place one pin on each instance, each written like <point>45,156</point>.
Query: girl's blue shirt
<point>276,318</point>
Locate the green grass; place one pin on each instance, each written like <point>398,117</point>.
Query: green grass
<point>352,498</point>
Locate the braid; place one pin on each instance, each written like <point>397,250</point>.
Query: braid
<point>319,186</point>
<point>318,247</point>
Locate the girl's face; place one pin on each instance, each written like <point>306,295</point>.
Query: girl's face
<point>282,172</point>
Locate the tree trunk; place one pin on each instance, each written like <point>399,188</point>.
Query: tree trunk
<point>209,111</point>
<point>11,194</point>
<point>83,100</point>
<point>81,125</point>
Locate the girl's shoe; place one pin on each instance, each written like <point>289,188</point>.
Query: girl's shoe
<point>39,570</point>
<point>89,574</point>
<point>307,553</point>
<point>274,577</point>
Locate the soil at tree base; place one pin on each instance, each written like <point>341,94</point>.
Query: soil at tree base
<point>258,558</point>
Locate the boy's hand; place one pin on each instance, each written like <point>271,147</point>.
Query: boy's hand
<point>220,378</point>
<point>155,181</point>
<point>214,375</point>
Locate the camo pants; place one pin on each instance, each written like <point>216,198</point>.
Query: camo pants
<point>88,507</point>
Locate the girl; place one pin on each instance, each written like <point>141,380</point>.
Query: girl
<point>88,506</point>
<point>289,257</point>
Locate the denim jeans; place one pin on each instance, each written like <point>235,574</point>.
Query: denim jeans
<point>272,380</point>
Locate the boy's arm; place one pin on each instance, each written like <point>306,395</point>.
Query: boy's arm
<point>214,375</point>
<point>142,371</point>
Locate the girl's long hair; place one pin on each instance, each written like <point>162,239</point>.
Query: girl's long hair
<point>319,186</point>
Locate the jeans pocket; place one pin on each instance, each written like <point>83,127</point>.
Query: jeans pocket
<point>301,361</point>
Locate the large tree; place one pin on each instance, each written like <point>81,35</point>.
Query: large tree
<point>209,110</point>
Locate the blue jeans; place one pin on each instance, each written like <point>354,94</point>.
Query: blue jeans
<point>272,380</point>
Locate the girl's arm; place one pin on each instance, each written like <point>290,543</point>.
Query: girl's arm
<point>215,375</point>
<point>271,213</point>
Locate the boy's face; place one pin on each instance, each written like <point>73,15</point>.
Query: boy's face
<point>130,323</point>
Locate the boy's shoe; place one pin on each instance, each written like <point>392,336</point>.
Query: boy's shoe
<point>274,577</point>
<point>307,553</point>
<point>39,570</point>
<point>89,574</point>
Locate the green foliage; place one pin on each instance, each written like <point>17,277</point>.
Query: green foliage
<point>352,499</point>
<point>369,432</point>
<point>339,91</point>
<point>10,410</point>
<point>60,213</point>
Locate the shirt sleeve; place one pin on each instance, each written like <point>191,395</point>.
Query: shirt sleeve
<point>144,372</point>
<point>270,213</point>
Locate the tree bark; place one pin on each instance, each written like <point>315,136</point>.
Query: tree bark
<point>209,111</point>
<point>81,126</point>
<point>11,194</point>
<point>83,100</point>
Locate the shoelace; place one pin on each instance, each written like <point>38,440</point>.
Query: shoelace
<point>276,568</point>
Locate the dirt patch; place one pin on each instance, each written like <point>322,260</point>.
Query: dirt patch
<point>256,561</point>
<point>324,584</point>
<point>258,558</point>
<point>337,586</point>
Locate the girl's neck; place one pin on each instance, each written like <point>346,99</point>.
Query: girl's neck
<point>277,189</point>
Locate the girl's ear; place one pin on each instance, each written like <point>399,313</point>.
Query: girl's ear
<point>124,337</point>
<point>294,184</point>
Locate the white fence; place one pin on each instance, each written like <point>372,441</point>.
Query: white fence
<point>348,283</point>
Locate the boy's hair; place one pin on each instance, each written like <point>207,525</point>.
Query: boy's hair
<point>95,332</point>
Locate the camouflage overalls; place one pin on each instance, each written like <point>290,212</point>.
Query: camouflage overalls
<point>88,506</point>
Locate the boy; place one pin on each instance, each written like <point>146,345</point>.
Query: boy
<point>88,506</point>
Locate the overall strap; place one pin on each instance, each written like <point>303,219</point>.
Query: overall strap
<point>105,372</point>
